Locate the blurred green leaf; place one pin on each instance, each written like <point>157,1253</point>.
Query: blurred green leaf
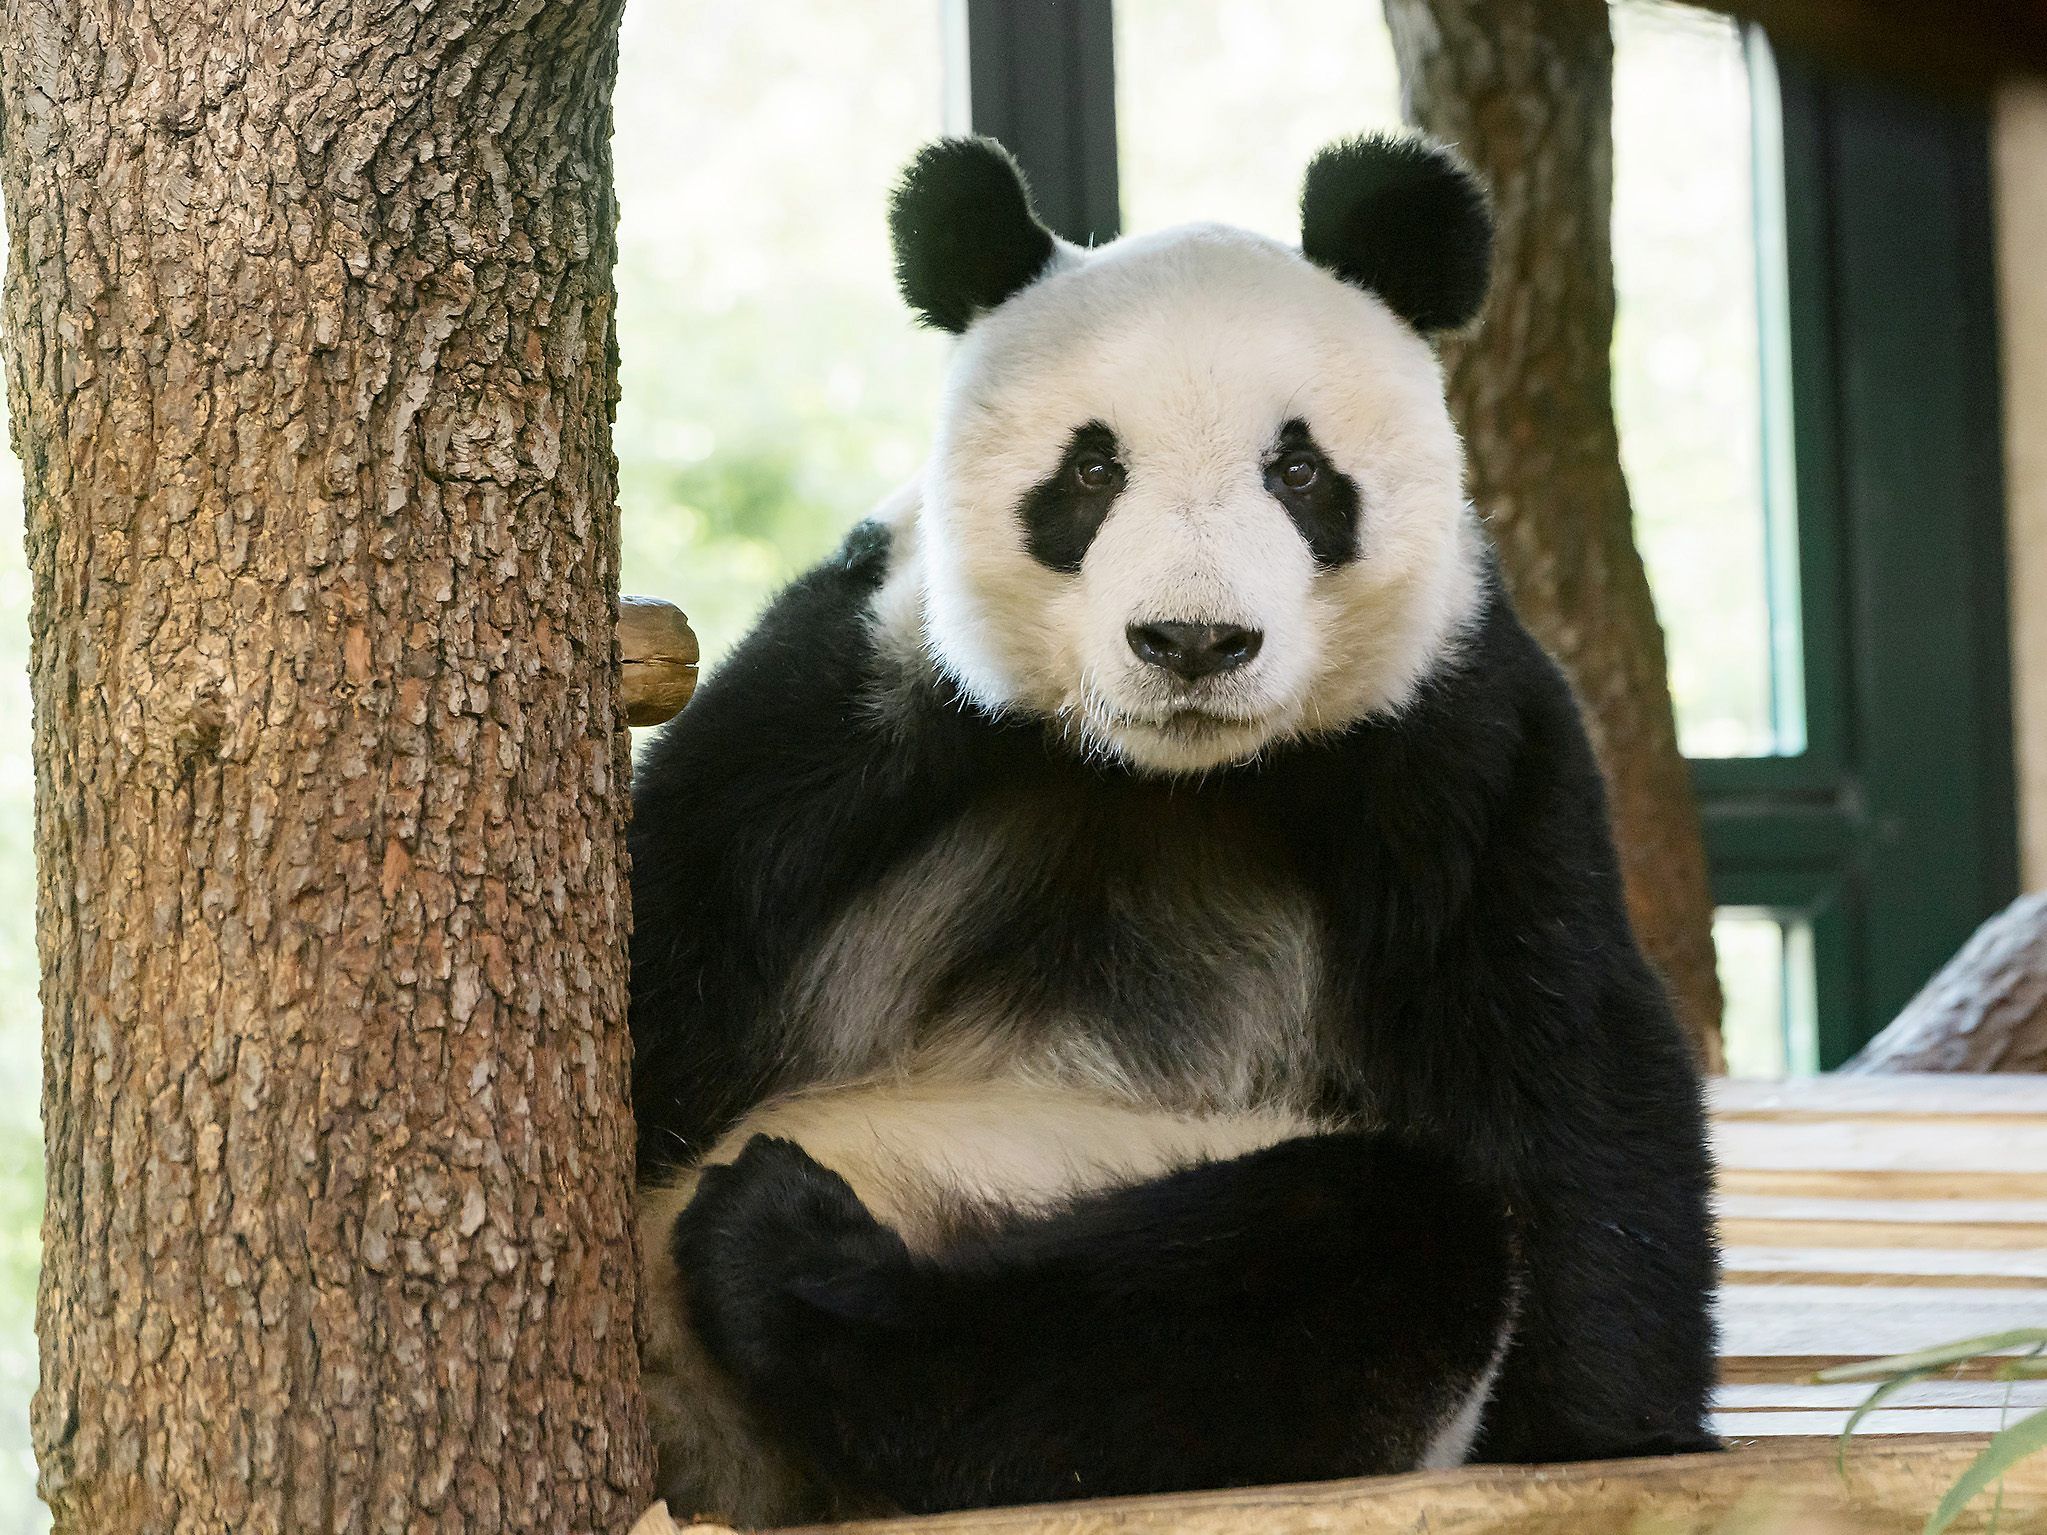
<point>2006,1449</point>
<point>1935,1358</point>
<point>1869,1405</point>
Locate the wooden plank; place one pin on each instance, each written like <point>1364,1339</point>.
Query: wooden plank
<point>1948,1236</point>
<point>1798,1369</point>
<point>1885,1420</point>
<point>1842,1319</point>
<point>1921,1094</point>
<point>1931,1117</point>
<point>1885,1183</point>
<point>1864,1218</point>
<point>1881,1281</point>
<point>1840,1145</point>
<point>1966,1266</point>
<point>2023,1395</point>
<point>1936,1212</point>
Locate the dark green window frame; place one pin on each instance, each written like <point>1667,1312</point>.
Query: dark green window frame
<point>1888,829</point>
<point>1893,833</point>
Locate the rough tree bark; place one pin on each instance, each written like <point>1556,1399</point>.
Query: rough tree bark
<point>309,338</point>
<point>1986,1010</point>
<point>1524,90</point>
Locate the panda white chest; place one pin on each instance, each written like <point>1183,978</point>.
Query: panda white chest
<point>1164,958</point>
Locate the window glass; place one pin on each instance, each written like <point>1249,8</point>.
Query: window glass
<point>773,387</point>
<point>1220,106</point>
<point>1766,972</point>
<point>1750,947</point>
<point>1687,364</point>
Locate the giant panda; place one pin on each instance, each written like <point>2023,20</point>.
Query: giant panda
<point>1130,984</point>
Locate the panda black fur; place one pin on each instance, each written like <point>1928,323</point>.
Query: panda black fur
<point>1131,989</point>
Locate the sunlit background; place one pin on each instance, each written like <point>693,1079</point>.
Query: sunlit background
<point>774,389</point>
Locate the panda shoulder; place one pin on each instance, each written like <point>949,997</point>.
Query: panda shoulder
<point>803,672</point>
<point>819,619</point>
<point>1506,726</point>
<point>849,582</point>
<point>1491,727</point>
<point>839,588</point>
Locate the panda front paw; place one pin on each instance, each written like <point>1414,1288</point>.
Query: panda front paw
<point>772,1249</point>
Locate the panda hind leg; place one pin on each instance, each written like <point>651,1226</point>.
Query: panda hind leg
<point>1327,1306</point>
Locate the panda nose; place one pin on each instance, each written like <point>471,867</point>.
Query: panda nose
<point>1193,651</point>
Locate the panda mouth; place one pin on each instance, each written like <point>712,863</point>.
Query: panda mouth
<point>1173,719</point>
<point>1199,722</point>
<point>1183,722</point>
<point>1182,736</point>
<point>1190,724</point>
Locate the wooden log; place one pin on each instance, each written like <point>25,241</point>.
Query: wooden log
<point>1986,1010</point>
<point>657,653</point>
<point>1793,1486</point>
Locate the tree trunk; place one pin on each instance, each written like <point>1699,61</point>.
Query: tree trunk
<point>1985,1011</point>
<point>1524,90</point>
<point>308,330</point>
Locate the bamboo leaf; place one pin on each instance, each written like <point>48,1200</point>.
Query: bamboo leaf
<point>2006,1449</point>
<point>1935,1358</point>
<point>1869,1404</point>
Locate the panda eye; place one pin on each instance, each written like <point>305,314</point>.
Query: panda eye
<point>1096,473</point>
<point>1298,471</point>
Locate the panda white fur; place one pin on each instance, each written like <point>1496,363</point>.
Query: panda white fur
<point>1130,984</point>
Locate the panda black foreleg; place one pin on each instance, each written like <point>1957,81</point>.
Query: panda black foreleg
<point>1320,1308</point>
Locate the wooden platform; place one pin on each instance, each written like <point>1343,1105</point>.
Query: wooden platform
<point>1860,1216</point>
<point>1863,1216</point>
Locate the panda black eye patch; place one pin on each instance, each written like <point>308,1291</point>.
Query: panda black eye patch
<point>1063,512</point>
<point>1321,499</point>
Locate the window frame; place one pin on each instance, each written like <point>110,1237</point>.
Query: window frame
<point>1894,832</point>
<point>1891,832</point>
<point>1041,78</point>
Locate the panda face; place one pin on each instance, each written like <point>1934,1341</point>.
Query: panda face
<point>1197,493</point>
<point>1192,495</point>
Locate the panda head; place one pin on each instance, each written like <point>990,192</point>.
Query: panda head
<point>1196,493</point>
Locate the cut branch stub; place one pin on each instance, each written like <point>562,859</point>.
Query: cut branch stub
<point>657,652</point>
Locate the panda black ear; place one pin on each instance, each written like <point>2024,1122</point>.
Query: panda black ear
<point>1404,217</point>
<point>964,233</point>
